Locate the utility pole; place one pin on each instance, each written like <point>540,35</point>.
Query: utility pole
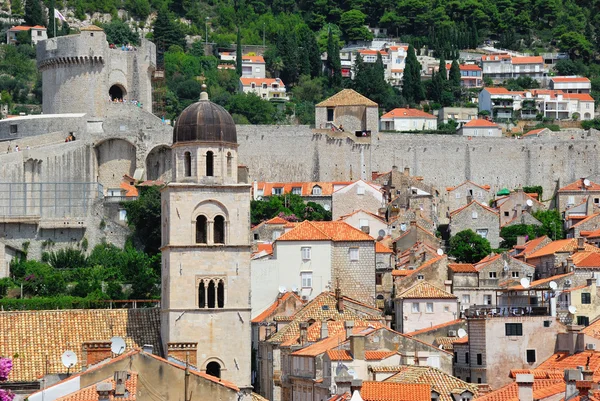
<point>186,381</point>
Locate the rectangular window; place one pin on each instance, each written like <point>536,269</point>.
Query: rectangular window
<point>513,329</point>
<point>466,357</point>
<point>482,232</point>
<point>466,299</point>
<point>514,274</point>
<point>474,215</point>
<point>123,215</point>
<point>479,359</point>
<point>306,279</point>
<point>353,254</point>
<point>487,299</point>
<point>415,307</point>
<point>297,191</point>
<point>446,309</point>
<point>305,252</point>
<point>530,356</point>
<point>506,214</point>
<point>583,321</point>
<point>277,191</point>
<point>13,128</point>
<point>492,274</point>
<point>378,278</point>
<point>571,200</point>
<point>455,356</point>
<point>360,190</point>
<point>586,298</point>
<point>429,307</point>
<point>276,234</point>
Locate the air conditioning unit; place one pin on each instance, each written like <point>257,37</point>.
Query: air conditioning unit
<point>568,282</point>
<point>590,347</point>
<point>451,333</point>
<point>305,297</point>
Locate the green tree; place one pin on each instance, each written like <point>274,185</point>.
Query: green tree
<point>333,64</point>
<point>442,70</point>
<point>454,76</point>
<point>509,234</point>
<point>468,247</point>
<point>51,20</point>
<point>576,45</point>
<point>251,106</point>
<point>166,32</point>
<point>308,89</point>
<point>33,13</point>
<point>353,26</point>
<point>310,50</point>
<point>287,50</point>
<point>16,7</point>
<point>238,53</point>
<point>119,33</point>
<point>143,217</point>
<point>412,86</point>
<point>291,207</point>
<point>552,225</point>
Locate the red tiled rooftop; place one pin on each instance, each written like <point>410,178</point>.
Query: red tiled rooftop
<point>480,122</point>
<point>389,391</point>
<point>407,113</point>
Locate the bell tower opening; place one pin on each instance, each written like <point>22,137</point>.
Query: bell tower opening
<point>116,93</point>
<point>201,295</point>
<point>213,369</point>
<point>229,164</point>
<point>210,160</point>
<point>211,294</point>
<point>219,227</point>
<point>220,294</point>
<point>201,237</point>
<point>187,161</point>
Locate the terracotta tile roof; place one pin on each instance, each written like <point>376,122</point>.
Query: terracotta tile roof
<point>339,355</point>
<point>372,52</point>
<point>531,246</point>
<point>579,287</point>
<point>542,283</point>
<point>593,330</point>
<point>465,67</point>
<point>254,59</point>
<point>570,79</point>
<point>586,220</point>
<point>325,231</point>
<point>480,122</point>
<point>260,81</point>
<point>386,368</point>
<point>276,220</point>
<point>592,260</point>
<point>583,97</point>
<point>26,28</point>
<point>484,187</point>
<point>491,57</point>
<point>407,113</point>
<point>90,393</point>
<point>341,397</point>
<point>380,248</point>
<point>268,313</point>
<point>347,97</point>
<point>579,186</point>
<point>447,343</point>
<point>34,334</point>
<point>463,340</point>
<point>400,273</point>
<point>388,391</point>
<point>527,60</point>
<point>541,389</point>
<point>380,218</point>
<point>306,188</point>
<point>590,234</point>
<point>378,355</point>
<point>561,245</point>
<point>462,268</point>
<point>535,132</point>
<point>487,208</point>
<point>336,336</point>
<point>439,381</point>
<point>497,91</point>
<point>436,327</point>
<point>562,360</point>
<point>424,290</point>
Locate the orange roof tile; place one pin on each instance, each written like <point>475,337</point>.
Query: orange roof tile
<point>90,393</point>
<point>582,97</point>
<point>462,267</point>
<point>260,81</point>
<point>407,113</point>
<point>254,59</point>
<point>497,91</point>
<point>26,28</point>
<point>424,290</point>
<point>277,220</point>
<point>388,391</point>
<point>372,52</point>
<point>590,261</point>
<point>339,355</point>
<point>579,186</point>
<point>401,273</point>
<point>531,245</point>
<point>489,209</point>
<point>439,326</point>
<point>541,389</point>
<point>527,60</point>
<point>324,231</point>
<point>542,282</point>
<point>480,122</point>
<point>562,245</point>
<point>484,187</point>
<point>306,188</point>
<point>535,132</point>
<point>492,57</point>
<point>273,307</point>
<point>378,355</point>
<point>380,248</point>
<point>569,79</point>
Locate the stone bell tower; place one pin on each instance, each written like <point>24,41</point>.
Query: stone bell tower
<point>206,247</point>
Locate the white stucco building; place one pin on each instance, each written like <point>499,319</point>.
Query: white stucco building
<point>37,33</point>
<point>404,119</point>
<point>266,88</point>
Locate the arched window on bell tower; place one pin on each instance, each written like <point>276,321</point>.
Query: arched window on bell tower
<point>210,164</point>
<point>219,230</point>
<point>201,295</point>
<point>211,298</point>
<point>221,294</point>
<point>187,161</point>
<point>201,230</point>
<point>229,164</point>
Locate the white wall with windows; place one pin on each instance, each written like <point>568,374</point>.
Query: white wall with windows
<point>419,314</point>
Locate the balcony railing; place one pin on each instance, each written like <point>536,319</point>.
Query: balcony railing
<point>119,199</point>
<point>488,311</point>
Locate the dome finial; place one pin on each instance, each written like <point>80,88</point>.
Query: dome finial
<point>203,94</point>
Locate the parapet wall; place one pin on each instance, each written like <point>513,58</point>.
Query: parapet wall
<point>292,153</point>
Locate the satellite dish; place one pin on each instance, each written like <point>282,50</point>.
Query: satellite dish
<point>572,309</point>
<point>462,333</point>
<point>381,233</point>
<point>117,345</point>
<point>529,202</point>
<point>295,289</point>
<point>525,282</point>
<point>440,252</point>
<point>505,265</point>
<point>441,346</point>
<point>553,285</point>
<point>69,359</point>
<point>282,289</point>
<point>403,227</point>
<point>586,182</point>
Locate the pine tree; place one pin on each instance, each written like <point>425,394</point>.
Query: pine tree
<point>361,76</point>
<point>238,53</point>
<point>310,50</point>
<point>33,13</point>
<point>167,32</point>
<point>287,49</point>
<point>412,87</point>
<point>436,88</point>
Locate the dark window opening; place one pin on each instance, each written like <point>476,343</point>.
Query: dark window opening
<point>583,321</point>
<point>210,159</point>
<point>211,294</point>
<point>468,380</point>
<point>229,164</point>
<point>219,228</point>
<point>479,359</point>
<point>455,357</point>
<point>330,113</point>
<point>378,278</point>
<point>530,356</point>
<point>506,214</point>
<point>201,295</point>
<point>201,230</point>
<point>466,357</point>
<point>13,128</point>
<point>586,298</point>
<point>513,329</point>
<point>221,294</point>
<point>116,93</point>
<point>213,369</point>
<point>187,160</point>
<point>479,380</point>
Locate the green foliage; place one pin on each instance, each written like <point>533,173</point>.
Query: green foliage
<point>291,207</point>
<point>509,234</point>
<point>166,31</point>
<point>143,217</point>
<point>468,247</point>
<point>412,87</point>
<point>595,123</point>
<point>33,13</point>
<point>369,80</point>
<point>255,109</point>
<point>119,33</point>
<point>534,189</point>
<point>68,258</point>
<point>552,225</point>
<point>353,26</point>
<point>521,83</point>
<point>333,64</point>
<point>238,53</point>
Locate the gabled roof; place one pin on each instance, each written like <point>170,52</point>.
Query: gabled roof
<point>47,333</point>
<point>480,122</point>
<point>530,246</point>
<point>259,81</point>
<point>542,283</point>
<point>347,97</point>
<point>487,208</point>
<point>271,309</point>
<point>253,59</point>
<point>570,79</point>
<point>497,91</point>
<point>388,391</point>
<point>380,248</point>
<point>407,113</point>
<point>579,186</point>
<point>562,360</point>
<point>484,187</point>
<point>527,60</point>
<point>561,246</point>
<point>324,231</point>
<point>462,267</point>
<point>590,261</point>
<point>436,327</point>
<point>344,217</point>
<point>587,219</point>
<point>90,393</point>
<point>439,381</point>
<point>424,290</point>
<point>26,28</point>
<point>541,389</point>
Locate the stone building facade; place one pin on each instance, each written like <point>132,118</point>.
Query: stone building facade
<point>349,111</point>
<point>461,195</point>
<point>80,72</point>
<point>480,219</point>
<point>356,196</point>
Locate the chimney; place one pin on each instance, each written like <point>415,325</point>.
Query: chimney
<point>355,388</point>
<point>521,240</point>
<point>580,244</point>
<point>104,391</point>
<point>525,385</point>
<point>571,377</point>
<point>324,330</point>
<point>348,326</point>
<point>469,199</point>
<point>388,321</point>
<point>303,333</point>
<point>339,300</point>
<point>519,209</point>
<point>95,351</point>
<point>570,264</point>
<point>357,347</point>
<point>412,259</point>
<point>120,379</point>
<point>374,175</point>
<point>448,286</point>
<point>407,171</point>
<point>423,257</point>
<point>394,168</point>
<point>148,348</point>
<point>180,351</point>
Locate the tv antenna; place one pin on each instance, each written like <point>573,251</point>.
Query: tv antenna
<point>117,345</point>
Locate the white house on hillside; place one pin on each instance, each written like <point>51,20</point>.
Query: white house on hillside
<point>404,119</point>
<point>37,33</point>
<point>480,127</point>
<point>266,88</point>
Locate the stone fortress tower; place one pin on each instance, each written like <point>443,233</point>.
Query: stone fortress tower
<point>80,72</point>
<point>206,247</point>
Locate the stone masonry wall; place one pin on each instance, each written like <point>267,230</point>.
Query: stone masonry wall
<point>357,278</point>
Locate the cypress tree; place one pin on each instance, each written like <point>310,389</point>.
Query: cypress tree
<point>361,78</point>
<point>334,64</point>
<point>442,70</point>
<point>33,13</point>
<point>437,87</point>
<point>454,74</point>
<point>238,53</point>
<point>166,31</point>
<point>412,87</point>
<point>51,20</point>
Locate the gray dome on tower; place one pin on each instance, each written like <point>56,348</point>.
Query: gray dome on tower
<point>205,121</point>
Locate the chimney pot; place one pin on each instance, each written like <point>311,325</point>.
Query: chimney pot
<point>580,243</point>
<point>339,300</point>
<point>148,348</point>
<point>525,386</point>
<point>357,347</point>
<point>349,326</point>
